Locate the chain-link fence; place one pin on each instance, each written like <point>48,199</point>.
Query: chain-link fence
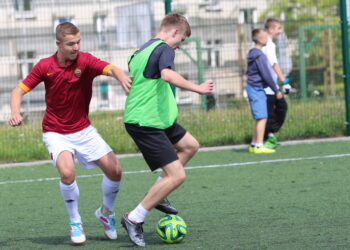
<point>309,53</point>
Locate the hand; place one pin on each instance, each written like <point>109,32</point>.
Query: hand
<point>286,88</point>
<point>279,95</point>
<point>206,88</point>
<point>15,120</point>
<point>125,82</point>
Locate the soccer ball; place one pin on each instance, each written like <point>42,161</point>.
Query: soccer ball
<point>171,229</point>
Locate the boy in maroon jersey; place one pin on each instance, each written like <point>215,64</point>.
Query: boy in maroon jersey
<point>67,130</point>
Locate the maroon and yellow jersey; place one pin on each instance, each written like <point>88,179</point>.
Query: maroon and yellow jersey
<point>68,90</point>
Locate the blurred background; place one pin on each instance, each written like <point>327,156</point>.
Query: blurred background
<point>309,53</point>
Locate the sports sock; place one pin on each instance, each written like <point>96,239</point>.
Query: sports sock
<point>110,191</point>
<point>70,194</point>
<point>253,144</point>
<point>270,135</point>
<point>258,145</point>
<point>138,214</point>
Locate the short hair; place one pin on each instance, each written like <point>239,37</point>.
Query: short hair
<point>176,20</point>
<point>270,22</point>
<point>64,29</point>
<point>256,33</point>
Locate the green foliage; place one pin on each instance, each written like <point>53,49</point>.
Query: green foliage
<point>317,117</point>
<point>302,12</point>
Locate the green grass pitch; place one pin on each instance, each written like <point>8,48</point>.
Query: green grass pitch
<point>297,198</point>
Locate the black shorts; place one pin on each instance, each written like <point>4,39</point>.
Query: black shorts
<point>156,145</point>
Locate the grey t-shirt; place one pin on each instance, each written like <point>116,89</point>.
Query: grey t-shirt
<point>162,57</point>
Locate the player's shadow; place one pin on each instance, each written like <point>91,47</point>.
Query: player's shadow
<point>240,150</point>
<point>122,241</point>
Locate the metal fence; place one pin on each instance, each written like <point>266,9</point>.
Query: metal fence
<point>309,51</point>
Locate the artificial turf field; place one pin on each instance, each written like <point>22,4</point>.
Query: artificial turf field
<point>297,198</point>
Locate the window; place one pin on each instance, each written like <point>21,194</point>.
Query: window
<point>59,20</point>
<point>104,90</point>
<point>26,63</point>
<point>213,52</point>
<point>23,5</point>
<point>211,5</point>
<point>101,29</point>
<point>247,16</point>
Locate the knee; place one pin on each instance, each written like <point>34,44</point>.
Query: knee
<point>192,147</point>
<point>179,179</point>
<point>114,173</point>
<point>67,177</point>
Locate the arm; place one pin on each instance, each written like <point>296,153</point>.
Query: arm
<point>16,99</point>
<point>279,73</point>
<point>177,80</point>
<point>119,75</point>
<point>264,70</point>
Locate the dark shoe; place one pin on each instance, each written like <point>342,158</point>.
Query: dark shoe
<point>165,207</point>
<point>134,230</point>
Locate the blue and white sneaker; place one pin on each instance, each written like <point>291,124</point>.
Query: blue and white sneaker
<point>77,234</point>
<point>108,222</point>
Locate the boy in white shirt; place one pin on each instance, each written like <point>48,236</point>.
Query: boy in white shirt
<point>277,108</point>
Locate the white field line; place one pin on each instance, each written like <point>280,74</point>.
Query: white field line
<point>193,167</point>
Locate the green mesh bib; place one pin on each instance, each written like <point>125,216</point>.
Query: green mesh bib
<point>150,102</point>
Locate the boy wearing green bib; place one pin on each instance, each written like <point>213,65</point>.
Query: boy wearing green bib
<point>150,119</point>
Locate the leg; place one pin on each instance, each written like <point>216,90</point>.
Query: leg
<point>70,193</point>
<point>174,177</point>
<point>110,188</point>
<point>259,130</point>
<point>271,121</point>
<point>281,112</point>
<point>132,222</point>
<point>186,147</point>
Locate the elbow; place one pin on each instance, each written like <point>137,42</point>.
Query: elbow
<point>165,77</point>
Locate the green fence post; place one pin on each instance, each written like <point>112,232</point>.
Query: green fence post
<point>167,4</point>
<point>346,69</point>
<point>302,66</point>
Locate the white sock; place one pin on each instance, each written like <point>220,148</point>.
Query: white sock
<point>138,214</point>
<point>259,145</point>
<point>70,194</point>
<point>270,135</point>
<point>110,191</point>
<point>253,144</point>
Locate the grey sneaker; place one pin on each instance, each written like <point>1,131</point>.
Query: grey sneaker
<point>165,207</point>
<point>134,230</point>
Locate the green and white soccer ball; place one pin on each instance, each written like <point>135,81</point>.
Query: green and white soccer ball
<point>171,229</point>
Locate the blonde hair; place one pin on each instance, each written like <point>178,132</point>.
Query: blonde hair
<point>178,21</point>
<point>64,29</point>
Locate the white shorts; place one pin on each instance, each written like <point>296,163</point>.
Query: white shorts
<point>86,145</point>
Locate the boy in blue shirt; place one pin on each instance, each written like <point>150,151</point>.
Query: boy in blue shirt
<point>258,78</point>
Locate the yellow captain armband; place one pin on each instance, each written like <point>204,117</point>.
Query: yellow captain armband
<point>106,69</point>
<point>24,87</point>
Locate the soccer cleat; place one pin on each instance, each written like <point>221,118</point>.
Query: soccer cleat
<point>165,207</point>
<point>263,150</point>
<point>77,234</point>
<point>134,230</point>
<point>271,142</point>
<point>251,149</point>
<point>108,222</point>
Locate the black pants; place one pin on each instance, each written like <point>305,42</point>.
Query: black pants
<point>277,111</point>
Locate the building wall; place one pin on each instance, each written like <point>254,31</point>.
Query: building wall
<point>215,23</point>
